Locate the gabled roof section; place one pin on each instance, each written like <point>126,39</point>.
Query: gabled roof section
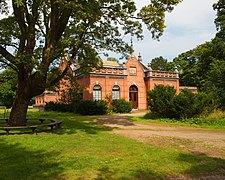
<point>144,67</point>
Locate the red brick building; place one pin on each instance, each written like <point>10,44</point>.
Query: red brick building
<point>130,81</point>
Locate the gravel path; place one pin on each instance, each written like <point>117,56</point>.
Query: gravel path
<point>195,140</point>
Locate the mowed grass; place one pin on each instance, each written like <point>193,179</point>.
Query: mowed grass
<point>85,150</point>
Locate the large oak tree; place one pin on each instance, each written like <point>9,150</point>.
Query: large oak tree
<point>35,32</point>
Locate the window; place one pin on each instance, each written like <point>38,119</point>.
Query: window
<point>133,71</point>
<point>116,92</point>
<point>97,93</point>
<point>133,88</point>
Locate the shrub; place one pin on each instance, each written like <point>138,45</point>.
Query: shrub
<point>89,107</point>
<point>203,104</point>
<point>121,106</point>
<point>160,101</point>
<point>164,103</point>
<point>60,107</point>
<point>183,105</point>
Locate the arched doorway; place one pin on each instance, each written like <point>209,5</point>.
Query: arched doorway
<point>133,96</point>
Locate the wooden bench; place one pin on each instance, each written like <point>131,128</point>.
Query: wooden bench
<point>53,123</point>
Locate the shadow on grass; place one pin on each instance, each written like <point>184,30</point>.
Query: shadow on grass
<point>188,166</point>
<point>140,174</point>
<point>16,162</point>
<point>72,123</point>
<point>203,165</point>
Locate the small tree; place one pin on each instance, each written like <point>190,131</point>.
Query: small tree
<point>160,100</point>
<point>72,90</point>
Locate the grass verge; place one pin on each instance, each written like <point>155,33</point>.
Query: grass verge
<point>215,120</point>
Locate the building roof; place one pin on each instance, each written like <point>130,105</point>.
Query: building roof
<point>110,64</point>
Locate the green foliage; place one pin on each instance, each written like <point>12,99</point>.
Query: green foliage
<point>112,59</point>
<point>159,63</point>
<point>121,106</point>
<point>8,86</point>
<point>189,105</point>
<point>153,15</point>
<point>213,120</point>
<point>73,91</point>
<point>164,103</point>
<point>183,105</point>
<point>90,107</point>
<point>188,65</point>
<point>160,100</point>
<point>59,107</point>
<point>82,107</point>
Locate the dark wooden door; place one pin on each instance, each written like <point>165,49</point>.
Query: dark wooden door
<point>134,99</point>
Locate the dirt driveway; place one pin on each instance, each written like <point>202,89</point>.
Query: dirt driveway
<point>194,140</point>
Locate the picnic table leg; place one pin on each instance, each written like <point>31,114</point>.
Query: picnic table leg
<point>34,130</point>
<point>7,131</point>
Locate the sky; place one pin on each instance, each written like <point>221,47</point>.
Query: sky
<point>191,23</point>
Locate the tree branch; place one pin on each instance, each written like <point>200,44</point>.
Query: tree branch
<point>64,72</point>
<point>62,22</point>
<point>19,16</point>
<point>7,55</point>
<point>12,66</point>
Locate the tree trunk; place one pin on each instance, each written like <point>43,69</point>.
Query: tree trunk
<point>19,108</point>
<point>18,112</point>
<point>20,105</point>
<point>27,88</point>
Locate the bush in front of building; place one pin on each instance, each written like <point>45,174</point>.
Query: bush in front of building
<point>189,105</point>
<point>60,107</point>
<point>183,105</point>
<point>121,106</point>
<point>83,107</point>
<point>89,107</point>
<point>164,103</point>
<point>160,101</point>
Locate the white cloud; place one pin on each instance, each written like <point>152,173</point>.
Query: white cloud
<point>190,24</point>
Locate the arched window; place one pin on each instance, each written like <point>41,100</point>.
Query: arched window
<point>116,92</point>
<point>97,93</point>
<point>133,88</point>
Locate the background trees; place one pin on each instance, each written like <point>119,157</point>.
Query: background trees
<point>8,86</point>
<point>160,63</point>
<point>204,66</point>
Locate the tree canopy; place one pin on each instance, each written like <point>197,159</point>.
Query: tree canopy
<point>159,63</point>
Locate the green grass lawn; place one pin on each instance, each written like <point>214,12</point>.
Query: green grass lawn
<point>84,150</point>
